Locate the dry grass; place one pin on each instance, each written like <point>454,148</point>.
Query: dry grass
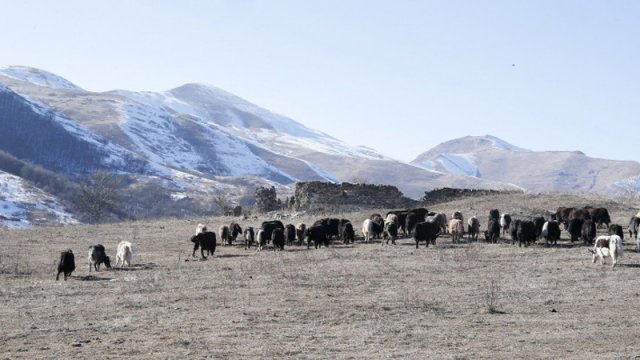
<point>358,301</point>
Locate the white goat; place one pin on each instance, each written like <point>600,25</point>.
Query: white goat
<point>367,229</point>
<point>124,253</point>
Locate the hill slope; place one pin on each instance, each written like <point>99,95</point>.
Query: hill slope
<point>490,158</point>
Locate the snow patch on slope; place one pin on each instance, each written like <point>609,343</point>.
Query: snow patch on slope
<point>37,77</point>
<point>148,122</point>
<point>19,201</point>
<point>629,184</point>
<point>461,164</point>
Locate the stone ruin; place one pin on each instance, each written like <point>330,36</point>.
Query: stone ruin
<point>266,199</point>
<point>318,195</point>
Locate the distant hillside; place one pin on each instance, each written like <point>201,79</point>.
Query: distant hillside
<point>490,158</point>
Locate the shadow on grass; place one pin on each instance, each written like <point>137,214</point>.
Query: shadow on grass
<point>629,265</point>
<point>232,255</point>
<point>135,267</point>
<point>91,278</point>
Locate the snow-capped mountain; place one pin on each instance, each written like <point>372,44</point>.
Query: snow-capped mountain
<point>194,129</point>
<point>490,158</point>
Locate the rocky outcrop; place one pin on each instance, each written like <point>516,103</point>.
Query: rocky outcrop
<point>313,195</point>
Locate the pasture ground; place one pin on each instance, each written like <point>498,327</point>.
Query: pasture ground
<point>463,301</point>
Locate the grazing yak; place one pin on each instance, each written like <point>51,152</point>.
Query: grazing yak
<point>367,229</point>
<point>526,233</point>
<point>505,221</point>
<point>575,228</point>
<point>427,232</point>
<point>410,222</point>
<point>634,224</point>
<point>249,237</point>
<point>235,230</point>
<point>390,232</point>
<point>206,241</point>
<point>66,264</point>
<point>607,246</point>
<point>98,256</point>
<point>456,229</point>
<point>551,232</point>
<point>289,234</point>
<point>300,227</point>
<point>331,226</point>
<point>268,226</point>
<point>615,229</point>
<point>277,238</point>
<point>377,226</point>
<point>588,232</point>
<point>124,253</point>
<point>494,214</point>
<point>261,239</point>
<point>401,216</point>
<point>492,234</point>
<point>562,215</point>
<point>539,221</point>
<point>513,230</point>
<point>225,235</point>
<point>347,233</point>
<point>599,216</point>
<point>473,228</point>
<point>318,235</point>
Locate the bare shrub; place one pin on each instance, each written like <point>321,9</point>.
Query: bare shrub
<point>492,297</point>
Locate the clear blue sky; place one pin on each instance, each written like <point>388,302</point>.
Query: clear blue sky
<point>398,76</point>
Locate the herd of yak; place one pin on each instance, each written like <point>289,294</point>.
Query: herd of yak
<point>419,223</point>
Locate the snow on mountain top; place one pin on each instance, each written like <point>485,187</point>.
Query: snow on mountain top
<point>37,77</point>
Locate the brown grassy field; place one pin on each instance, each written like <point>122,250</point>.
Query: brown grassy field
<point>463,301</point>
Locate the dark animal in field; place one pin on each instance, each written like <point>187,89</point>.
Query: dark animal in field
<point>579,214</point>
<point>98,256</point>
<point>634,225</point>
<point>249,237</point>
<point>427,232</point>
<point>473,228</point>
<point>317,234</point>
<point>347,233</point>
<point>235,230</point>
<point>539,221</point>
<point>551,232</point>
<point>402,216</point>
<point>526,233</point>
<point>289,234</point>
<point>513,230</point>
<point>300,227</point>
<point>269,226</point>
<point>410,222</point>
<point>562,215</point>
<point>600,216</point>
<point>575,228</point>
<point>206,241</point>
<point>492,234</point>
<point>494,214</point>
<point>377,227</point>
<point>588,232</point>
<point>225,235</point>
<point>505,221</point>
<point>615,229</point>
<point>277,238</point>
<point>331,226</point>
<point>66,264</point>
<point>390,232</point>
<point>420,213</point>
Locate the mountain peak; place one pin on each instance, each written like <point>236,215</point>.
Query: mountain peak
<point>37,77</point>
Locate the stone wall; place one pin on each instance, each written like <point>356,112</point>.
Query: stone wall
<point>314,195</point>
<point>448,194</point>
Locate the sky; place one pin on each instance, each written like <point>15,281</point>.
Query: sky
<point>397,76</point>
